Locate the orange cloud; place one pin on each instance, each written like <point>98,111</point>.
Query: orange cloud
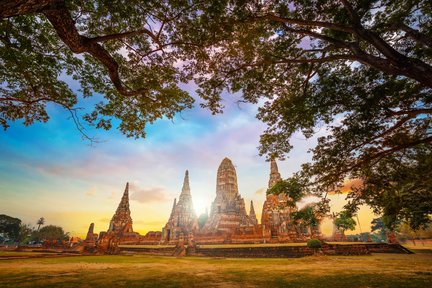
<point>146,195</point>
<point>348,185</point>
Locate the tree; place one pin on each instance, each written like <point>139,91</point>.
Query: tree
<point>405,232</point>
<point>126,51</point>
<point>308,217</point>
<point>41,221</point>
<point>25,233</point>
<point>344,221</point>
<point>398,188</point>
<point>292,187</point>
<point>362,68</point>
<point>9,227</point>
<point>50,232</point>
<point>378,226</point>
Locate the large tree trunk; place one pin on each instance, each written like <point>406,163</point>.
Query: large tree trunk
<point>10,8</point>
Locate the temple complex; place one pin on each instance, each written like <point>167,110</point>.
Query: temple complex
<point>227,222</point>
<point>183,219</point>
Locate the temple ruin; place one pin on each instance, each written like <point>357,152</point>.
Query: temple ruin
<point>228,221</point>
<point>183,219</point>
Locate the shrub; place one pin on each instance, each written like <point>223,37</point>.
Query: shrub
<point>314,243</point>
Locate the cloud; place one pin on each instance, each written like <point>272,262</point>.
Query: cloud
<point>148,195</point>
<point>112,195</point>
<point>91,192</point>
<point>352,183</point>
<point>260,191</point>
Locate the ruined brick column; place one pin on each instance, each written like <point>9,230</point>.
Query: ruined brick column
<point>182,220</point>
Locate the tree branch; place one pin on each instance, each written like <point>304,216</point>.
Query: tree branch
<point>125,35</point>
<point>302,22</point>
<point>415,34</point>
<point>63,23</point>
<point>9,8</point>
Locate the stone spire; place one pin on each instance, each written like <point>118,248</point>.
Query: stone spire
<point>226,181</point>
<point>124,203</point>
<point>173,209</point>
<point>274,174</point>
<point>122,221</point>
<point>90,233</point>
<point>186,187</point>
<point>182,219</point>
<point>252,214</point>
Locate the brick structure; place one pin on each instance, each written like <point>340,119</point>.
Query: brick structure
<point>228,221</point>
<point>228,211</point>
<point>120,229</point>
<point>276,215</point>
<point>183,219</point>
<point>252,215</point>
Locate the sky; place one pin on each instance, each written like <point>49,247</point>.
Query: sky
<point>48,170</point>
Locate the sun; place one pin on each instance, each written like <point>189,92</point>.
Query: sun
<point>200,205</point>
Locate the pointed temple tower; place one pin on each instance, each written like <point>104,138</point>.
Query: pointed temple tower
<point>276,214</point>
<point>182,220</point>
<point>275,176</point>
<point>120,229</point>
<point>121,222</point>
<point>228,210</point>
<point>252,215</point>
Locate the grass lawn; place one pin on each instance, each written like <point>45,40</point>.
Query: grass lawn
<point>378,270</point>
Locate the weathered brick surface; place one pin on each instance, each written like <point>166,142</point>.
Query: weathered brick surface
<point>276,251</point>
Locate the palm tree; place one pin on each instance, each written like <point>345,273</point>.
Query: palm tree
<point>41,221</point>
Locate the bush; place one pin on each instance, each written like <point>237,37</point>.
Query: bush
<point>314,243</point>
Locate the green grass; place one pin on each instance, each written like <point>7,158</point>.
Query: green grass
<point>378,270</point>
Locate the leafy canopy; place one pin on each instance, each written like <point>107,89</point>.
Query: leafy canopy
<point>126,51</point>
<point>360,68</point>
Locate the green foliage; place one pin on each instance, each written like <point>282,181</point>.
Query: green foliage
<point>360,68</point>
<point>10,227</point>
<point>314,243</point>
<point>405,232</point>
<point>344,221</point>
<point>307,216</point>
<point>291,187</point>
<point>39,68</point>
<point>25,233</point>
<point>398,188</point>
<point>378,226</point>
<point>40,222</point>
<point>49,232</point>
<point>318,64</point>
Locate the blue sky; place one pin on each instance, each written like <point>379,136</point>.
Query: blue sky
<point>48,170</point>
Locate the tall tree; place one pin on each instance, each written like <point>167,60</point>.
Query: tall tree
<point>126,51</point>
<point>40,222</point>
<point>362,69</point>
<point>10,227</point>
<point>344,221</point>
<point>25,233</point>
